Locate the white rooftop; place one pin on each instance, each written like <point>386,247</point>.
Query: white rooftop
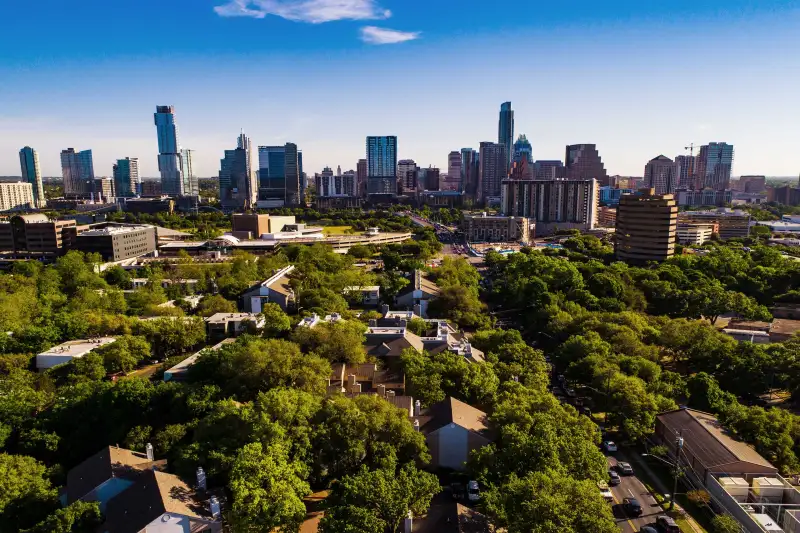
<point>221,318</point>
<point>112,230</point>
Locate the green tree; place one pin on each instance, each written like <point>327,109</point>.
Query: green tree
<point>124,354</point>
<point>383,497</point>
<point>172,336</point>
<point>725,523</point>
<point>213,304</point>
<point>267,490</point>
<point>276,323</point>
<point>25,491</point>
<point>79,517</point>
<point>341,341</point>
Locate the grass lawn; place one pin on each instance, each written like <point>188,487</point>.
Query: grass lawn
<point>336,230</point>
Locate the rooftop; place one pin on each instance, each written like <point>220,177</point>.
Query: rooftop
<point>452,411</point>
<point>113,230</point>
<point>223,318</point>
<point>78,348</point>
<point>102,466</point>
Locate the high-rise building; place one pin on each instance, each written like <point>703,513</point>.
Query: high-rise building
<point>583,162</point>
<point>753,184</point>
<point>687,169</point>
<point>662,174</point>
<point>16,196</point>
<point>523,150</point>
<point>470,169</point>
<point>552,204</point>
<point>714,166</point>
<point>505,132</point>
<point>453,171</point>
<point>361,176</point>
<point>126,178</point>
<point>303,177</point>
<point>521,170</point>
<point>292,169</point>
<point>548,169</point>
<point>32,173</point>
<point>493,168</point>
<point>103,190</point>
<point>77,169</point>
<point>190,185</point>
<point>251,186</point>
<point>326,183</point>
<point>407,176</point>
<point>646,228</point>
<point>272,175</point>
<point>382,165</point>
<point>233,180</point>
<point>432,179</point>
<point>169,150</point>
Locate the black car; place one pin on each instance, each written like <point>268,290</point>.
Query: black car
<point>647,529</point>
<point>666,524</point>
<point>632,507</point>
<point>614,478</point>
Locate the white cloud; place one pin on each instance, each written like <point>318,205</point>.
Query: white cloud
<point>375,35</point>
<point>313,11</point>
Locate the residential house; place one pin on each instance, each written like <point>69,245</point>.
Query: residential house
<point>222,325</point>
<point>390,341</point>
<point>779,330</point>
<point>452,430</point>
<point>276,289</point>
<point>417,294</point>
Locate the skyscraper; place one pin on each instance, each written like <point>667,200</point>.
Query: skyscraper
<point>646,227</point>
<point>361,177</point>
<point>432,179</point>
<point>548,169</point>
<point>126,178</point>
<point>189,180</point>
<point>505,132</point>
<point>470,167</point>
<point>169,156</point>
<point>553,204</point>
<point>583,161</point>
<point>687,169</point>
<point>233,178</point>
<point>292,169</point>
<point>251,187</point>
<point>453,171</point>
<point>493,170</point>
<point>272,175</point>
<point>382,165</point>
<point>407,175</point>
<point>77,170</point>
<point>523,150</point>
<point>31,173</point>
<point>714,166</point>
<point>661,174</point>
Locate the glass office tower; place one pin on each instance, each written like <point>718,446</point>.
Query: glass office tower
<point>31,173</point>
<point>505,134</point>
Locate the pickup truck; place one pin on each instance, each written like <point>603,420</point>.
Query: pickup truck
<point>605,491</point>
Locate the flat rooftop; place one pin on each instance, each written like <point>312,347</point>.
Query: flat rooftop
<point>221,318</point>
<point>78,348</point>
<point>113,230</point>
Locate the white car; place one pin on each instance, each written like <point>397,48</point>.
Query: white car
<point>473,491</point>
<point>605,491</point>
<point>610,446</point>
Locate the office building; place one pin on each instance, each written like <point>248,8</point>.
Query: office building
<point>523,150</point>
<point>661,174</point>
<point>103,190</point>
<point>732,223</point>
<point>339,185</point>
<point>36,236</point>
<point>16,196</point>
<point>233,178</point>
<point>552,205</point>
<point>126,178</point>
<point>752,184</point>
<point>361,177</point>
<point>382,165</point>
<point>714,166</point>
<point>77,171</point>
<point>164,204</point>
<point>607,217</point>
<point>485,228</point>
<point>493,169</point>
<point>687,171</point>
<point>453,181</point>
<point>548,170</point>
<point>583,162</point>
<point>407,176</point>
<point>646,227</point>
<point>271,176</point>
<point>292,170</point>
<point>32,173</point>
<point>169,151</point>
<point>431,178</point>
<point>521,170</point>
<point>470,172</point>
<point>250,183</point>
<point>189,180</point>
<point>705,197</point>
<point>505,133</point>
<point>151,188</point>
<point>695,233</point>
<point>610,196</point>
<point>116,243</point>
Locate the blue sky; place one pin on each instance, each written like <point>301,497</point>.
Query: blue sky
<point>634,78</point>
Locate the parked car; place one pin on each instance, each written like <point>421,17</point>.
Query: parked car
<point>473,491</point>
<point>647,529</point>
<point>605,491</point>
<point>571,392</point>
<point>625,469</point>
<point>614,478</point>
<point>666,524</point>
<point>632,507</point>
<point>610,446</point>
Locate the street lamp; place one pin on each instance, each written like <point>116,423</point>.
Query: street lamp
<point>676,469</point>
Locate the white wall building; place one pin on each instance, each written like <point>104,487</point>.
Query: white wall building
<point>15,196</point>
<point>66,352</point>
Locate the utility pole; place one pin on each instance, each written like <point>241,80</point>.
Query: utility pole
<point>678,448</point>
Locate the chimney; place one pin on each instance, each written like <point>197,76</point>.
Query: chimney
<point>390,394</point>
<point>382,390</point>
<point>214,505</point>
<point>417,408</point>
<point>416,425</point>
<point>408,523</point>
<point>149,451</point>
<point>201,478</point>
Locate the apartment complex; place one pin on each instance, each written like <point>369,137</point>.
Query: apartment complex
<point>32,173</point>
<point>646,227</point>
<point>484,228</point>
<point>382,165</point>
<point>493,169</point>
<point>16,196</point>
<point>552,204</point>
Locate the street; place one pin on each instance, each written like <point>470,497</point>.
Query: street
<point>632,487</point>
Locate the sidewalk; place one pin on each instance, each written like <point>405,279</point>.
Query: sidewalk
<point>642,466</point>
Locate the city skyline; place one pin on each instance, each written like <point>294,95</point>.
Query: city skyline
<point>581,81</point>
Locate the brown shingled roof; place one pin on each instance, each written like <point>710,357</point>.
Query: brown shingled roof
<point>452,411</point>
<point>102,466</point>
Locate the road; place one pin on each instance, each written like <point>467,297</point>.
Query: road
<point>632,487</point>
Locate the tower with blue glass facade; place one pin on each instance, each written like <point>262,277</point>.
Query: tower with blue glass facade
<point>523,150</point>
<point>169,151</point>
<point>505,134</point>
<point>382,165</point>
<point>714,166</point>
<point>31,173</point>
<point>77,170</point>
<point>126,178</point>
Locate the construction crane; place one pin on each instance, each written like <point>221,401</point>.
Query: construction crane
<point>690,173</point>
